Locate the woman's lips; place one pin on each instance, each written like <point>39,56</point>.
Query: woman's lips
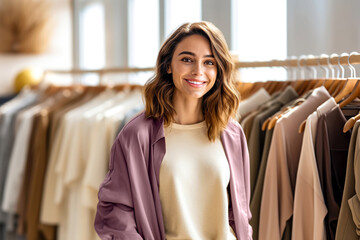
<point>195,83</point>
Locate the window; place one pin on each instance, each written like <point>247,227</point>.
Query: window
<point>260,34</point>
<point>179,12</point>
<point>91,39</point>
<point>143,32</point>
<point>128,33</point>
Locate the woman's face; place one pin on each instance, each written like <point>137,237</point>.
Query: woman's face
<point>193,67</point>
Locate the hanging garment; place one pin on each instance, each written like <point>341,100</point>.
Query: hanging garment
<point>257,136</point>
<point>104,130</point>
<point>76,219</point>
<point>248,120</point>
<point>348,226</point>
<point>247,123</point>
<point>138,215</point>
<point>50,212</point>
<point>332,146</point>
<point>281,169</point>
<point>8,113</point>
<point>253,102</point>
<point>129,115</point>
<point>15,174</point>
<point>36,166</point>
<point>308,195</point>
<point>256,197</point>
<point>4,99</point>
<point>17,162</point>
<point>255,203</point>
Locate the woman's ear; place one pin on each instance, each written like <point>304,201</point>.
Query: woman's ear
<point>169,69</point>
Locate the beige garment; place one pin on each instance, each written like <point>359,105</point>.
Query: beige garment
<point>194,176</point>
<point>79,219</point>
<point>354,204</point>
<point>309,224</point>
<point>280,176</point>
<point>254,101</point>
<point>62,189</point>
<point>103,129</point>
<point>51,210</point>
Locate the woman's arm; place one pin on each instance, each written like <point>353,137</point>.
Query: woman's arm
<point>115,213</point>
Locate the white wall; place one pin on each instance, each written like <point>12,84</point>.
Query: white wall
<point>59,55</point>
<point>323,26</point>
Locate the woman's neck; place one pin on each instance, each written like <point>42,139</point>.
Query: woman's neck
<point>188,111</point>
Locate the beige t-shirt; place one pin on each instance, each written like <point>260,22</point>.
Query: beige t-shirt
<point>194,176</point>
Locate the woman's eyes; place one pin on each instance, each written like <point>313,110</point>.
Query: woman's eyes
<point>189,60</point>
<point>209,62</point>
<point>186,60</point>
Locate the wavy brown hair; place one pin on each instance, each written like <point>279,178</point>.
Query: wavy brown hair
<point>219,104</point>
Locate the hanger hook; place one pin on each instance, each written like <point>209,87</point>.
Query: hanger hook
<point>293,69</point>
<point>302,70</point>
<point>335,66</point>
<point>340,66</point>
<point>353,70</point>
<point>312,68</point>
<point>322,66</point>
<point>347,60</point>
<point>287,68</point>
<point>330,67</point>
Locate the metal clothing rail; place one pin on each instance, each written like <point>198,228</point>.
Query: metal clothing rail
<point>101,71</point>
<point>334,59</point>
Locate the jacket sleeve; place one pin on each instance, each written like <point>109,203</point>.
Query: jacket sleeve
<point>115,217</point>
<point>246,162</point>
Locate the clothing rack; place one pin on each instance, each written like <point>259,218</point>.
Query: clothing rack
<point>100,72</point>
<point>303,61</point>
<point>323,60</point>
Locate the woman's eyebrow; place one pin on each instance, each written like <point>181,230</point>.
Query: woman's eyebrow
<point>193,54</point>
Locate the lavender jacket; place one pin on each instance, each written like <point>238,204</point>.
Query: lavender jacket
<point>129,200</point>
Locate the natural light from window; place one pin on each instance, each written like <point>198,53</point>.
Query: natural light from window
<point>260,34</point>
<point>92,40</point>
<point>143,32</point>
<point>179,12</point>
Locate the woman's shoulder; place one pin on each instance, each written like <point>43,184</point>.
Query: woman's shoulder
<point>140,126</point>
<point>136,122</point>
<point>234,127</point>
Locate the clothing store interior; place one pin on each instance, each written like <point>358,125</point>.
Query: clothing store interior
<point>72,75</point>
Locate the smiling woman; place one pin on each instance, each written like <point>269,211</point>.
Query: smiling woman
<point>180,170</point>
<point>219,101</point>
<point>194,71</point>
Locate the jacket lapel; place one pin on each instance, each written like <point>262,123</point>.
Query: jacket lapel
<point>230,139</point>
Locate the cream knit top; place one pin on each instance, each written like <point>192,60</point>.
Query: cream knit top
<point>194,176</point>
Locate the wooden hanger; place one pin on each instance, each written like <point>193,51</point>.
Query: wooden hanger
<point>339,87</point>
<point>275,86</point>
<point>354,94</point>
<point>244,87</point>
<point>346,89</point>
<point>273,119</point>
<point>350,123</point>
<point>272,122</point>
<point>256,87</point>
<point>319,82</point>
<point>313,82</point>
<point>265,124</point>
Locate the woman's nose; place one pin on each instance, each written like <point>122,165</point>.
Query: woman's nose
<point>197,69</point>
